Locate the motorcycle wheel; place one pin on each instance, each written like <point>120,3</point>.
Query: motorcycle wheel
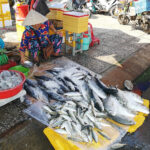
<point>113,11</point>
<point>145,27</point>
<point>123,19</point>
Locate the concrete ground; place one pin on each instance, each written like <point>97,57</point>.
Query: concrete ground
<point>118,44</point>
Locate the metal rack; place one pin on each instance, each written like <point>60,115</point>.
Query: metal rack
<point>72,44</point>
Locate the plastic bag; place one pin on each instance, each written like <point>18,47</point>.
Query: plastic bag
<point>36,111</point>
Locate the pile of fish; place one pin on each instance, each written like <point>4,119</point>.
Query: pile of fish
<point>82,99</point>
<point>76,119</point>
<point>9,79</point>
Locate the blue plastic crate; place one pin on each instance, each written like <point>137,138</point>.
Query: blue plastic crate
<point>141,6</point>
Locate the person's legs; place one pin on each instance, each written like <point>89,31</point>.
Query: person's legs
<point>34,48</point>
<point>56,40</point>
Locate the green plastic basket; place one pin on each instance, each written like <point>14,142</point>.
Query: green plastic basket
<point>22,69</point>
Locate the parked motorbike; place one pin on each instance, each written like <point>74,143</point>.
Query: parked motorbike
<point>113,7</point>
<point>81,6</point>
<point>128,14</point>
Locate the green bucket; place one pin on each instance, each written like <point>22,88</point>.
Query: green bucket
<point>86,43</point>
<point>22,69</point>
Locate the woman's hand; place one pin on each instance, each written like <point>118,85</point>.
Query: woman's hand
<point>22,55</point>
<point>22,60</point>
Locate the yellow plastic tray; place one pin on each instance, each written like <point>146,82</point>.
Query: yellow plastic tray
<point>75,24</point>
<point>56,14</point>
<point>3,1</point>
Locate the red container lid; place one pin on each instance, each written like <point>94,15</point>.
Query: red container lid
<point>14,91</point>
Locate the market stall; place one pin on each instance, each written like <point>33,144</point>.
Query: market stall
<point>79,110</point>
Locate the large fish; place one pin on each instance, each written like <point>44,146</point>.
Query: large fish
<point>93,85</point>
<point>32,83</point>
<point>108,90</point>
<point>36,92</point>
<point>56,96</point>
<point>51,85</point>
<point>130,96</point>
<point>118,112</point>
<point>85,91</point>
<point>132,101</point>
<point>45,78</point>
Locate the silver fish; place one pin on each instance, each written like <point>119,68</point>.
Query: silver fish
<point>61,131</point>
<point>94,135</point>
<point>72,94</point>
<point>104,135</point>
<point>92,84</point>
<point>132,104</point>
<point>58,123</point>
<point>84,89</point>
<point>76,139</point>
<point>118,112</point>
<point>130,96</point>
<point>98,101</point>
<point>117,146</point>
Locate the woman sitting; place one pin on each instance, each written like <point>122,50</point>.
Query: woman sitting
<point>36,38</point>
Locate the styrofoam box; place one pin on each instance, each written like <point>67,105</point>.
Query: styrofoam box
<point>5,8</point>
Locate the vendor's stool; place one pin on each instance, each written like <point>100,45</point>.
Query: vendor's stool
<point>94,39</point>
<point>73,42</point>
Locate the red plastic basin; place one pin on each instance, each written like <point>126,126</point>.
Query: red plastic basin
<point>9,65</point>
<point>14,91</point>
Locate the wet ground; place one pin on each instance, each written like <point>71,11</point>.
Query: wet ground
<point>27,135</point>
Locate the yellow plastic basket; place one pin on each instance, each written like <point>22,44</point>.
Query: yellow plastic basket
<point>4,1</point>
<point>56,14</point>
<point>76,24</point>
<point>1,10</point>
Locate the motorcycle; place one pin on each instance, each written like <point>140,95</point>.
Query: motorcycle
<point>81,6</point>
<point>129,14</point>
<point>113,7</point>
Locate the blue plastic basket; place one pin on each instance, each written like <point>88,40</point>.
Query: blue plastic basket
<point>142,6</point>
<point>2,44</point>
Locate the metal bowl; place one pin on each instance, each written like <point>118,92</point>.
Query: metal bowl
<point>28,64</point>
